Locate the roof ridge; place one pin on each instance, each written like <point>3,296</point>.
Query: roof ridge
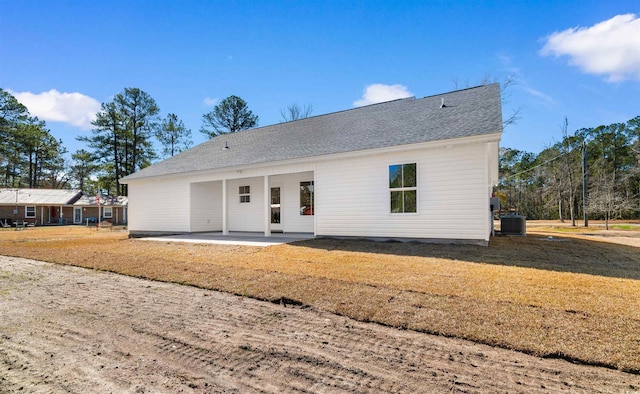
<point>349,109</point>
<point>460,90</point>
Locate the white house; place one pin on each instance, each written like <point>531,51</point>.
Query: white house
<point>409,168</point>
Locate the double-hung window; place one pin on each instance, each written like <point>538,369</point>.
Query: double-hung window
<point>107,212</point>
<point>403,188</point>
<point>29,211</point>
<point>245,194</point>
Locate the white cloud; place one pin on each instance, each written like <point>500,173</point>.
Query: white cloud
<point>609,48</point>
<point>378,93</point>
<point>75,109</point>
<point>540,95</point>
<point>209,102</point>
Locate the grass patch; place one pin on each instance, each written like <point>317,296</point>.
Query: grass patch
<point>569,230</point>
<point>563,296</point>
<point>627,227</point>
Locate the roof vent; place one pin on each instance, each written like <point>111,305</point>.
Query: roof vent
<point>442,105</point>
<point>226,145</point>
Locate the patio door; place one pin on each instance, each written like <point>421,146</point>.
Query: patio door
<point>276,210</point>
<point>77,215</point>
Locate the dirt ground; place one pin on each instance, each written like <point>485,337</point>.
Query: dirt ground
<point>68,329</point>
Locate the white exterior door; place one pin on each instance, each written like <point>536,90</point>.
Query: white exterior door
<point>77,215</point>
<point>276,209</point>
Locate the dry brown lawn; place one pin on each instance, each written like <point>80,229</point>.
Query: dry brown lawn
<point>551,294</point>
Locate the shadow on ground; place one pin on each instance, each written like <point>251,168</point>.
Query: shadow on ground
<point>557,253</point>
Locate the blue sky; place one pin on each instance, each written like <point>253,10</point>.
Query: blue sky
<point>579,59</point>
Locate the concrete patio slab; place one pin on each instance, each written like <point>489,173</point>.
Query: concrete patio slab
<point>235,238</point>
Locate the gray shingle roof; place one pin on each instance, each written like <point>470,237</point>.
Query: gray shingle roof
<point>468,112</point>
<point>39,196</point>
<point>114,201</point>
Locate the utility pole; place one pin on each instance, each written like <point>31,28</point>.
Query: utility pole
<point>99,208</point>
<point>15,211</point>
<point>585,186</point>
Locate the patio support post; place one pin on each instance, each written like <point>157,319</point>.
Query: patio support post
<point>225,224</point>
<point>315,209</point>
<point>267,207</point>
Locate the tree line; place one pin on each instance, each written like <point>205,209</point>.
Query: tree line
<point>593,171</point>
<point>29,155</point>
<point>123,140</point>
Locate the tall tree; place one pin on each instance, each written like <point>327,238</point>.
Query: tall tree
<point>633,174</point>
<point>121,138</point>
<point>295,112</point>
<point>173,135</point>
<point>83,167</point>
<point>554,179</point>
<point>610,149</point>
<point>12,115</point>
<point>570,150</point>
<point>52,172</point>
<point>140,115</point>
<point>29,155</point>
<point>517,180</point>
<point>38,148</point>
<point>107,140</point>
<point>230,116</point>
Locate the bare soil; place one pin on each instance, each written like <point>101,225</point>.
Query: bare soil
<point>77,330</point>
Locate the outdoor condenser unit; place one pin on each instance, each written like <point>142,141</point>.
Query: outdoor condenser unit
<point>513,225</point>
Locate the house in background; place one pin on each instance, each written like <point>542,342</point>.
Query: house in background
<point>111,208</point>
<point>59,206</point>
<point>405,169</point>
<point>39,206</point>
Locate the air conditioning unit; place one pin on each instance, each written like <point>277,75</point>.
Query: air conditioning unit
<point>513,225</point>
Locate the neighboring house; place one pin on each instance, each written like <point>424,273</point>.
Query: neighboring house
<point>40,206</point>
<point>58,206</point>
<point>409,168</point>
<point>112,209</point>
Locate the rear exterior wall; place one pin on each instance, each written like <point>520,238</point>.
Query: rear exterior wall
<point>353,195</point>
<point>159,206</point>
<point>206,206</point>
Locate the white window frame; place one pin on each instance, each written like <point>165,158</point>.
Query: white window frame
<point>245,194</point>
<point>26,212</point>
<point>404,189</point>
<point>77,209</point>
<point>107,212</point>
<point>312,195</point>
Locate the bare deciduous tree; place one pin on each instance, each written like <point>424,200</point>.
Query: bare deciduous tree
<point>506,86</point>
<point>295,112</point>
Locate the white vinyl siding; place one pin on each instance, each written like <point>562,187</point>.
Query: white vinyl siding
<point>159,206</point>
<point>352,196</point>
<point>245,216</point>
<point>206,206</point>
